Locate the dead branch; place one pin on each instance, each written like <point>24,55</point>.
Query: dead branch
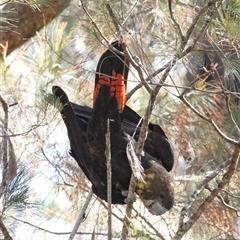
<point>52,232</point>
<point>93,22</point>
<point>199,189</point>
<point>211,121</point>
<point>176,24</point>
<point>114,19</point>
<point>81,215</point>
<point>4,231</point>
<point>224,202</point>
<point>109,179</point>
<point>4,147</point>
<point>225,180</point>
<point>194,22</point>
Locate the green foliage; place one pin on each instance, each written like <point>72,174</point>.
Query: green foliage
<point>232,18</point>
<point>7,24</point>
<point>49,50</point>
<point>17,192</point>
<point>38,4</point>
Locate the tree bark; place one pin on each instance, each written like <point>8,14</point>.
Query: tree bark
<point>25,21</point>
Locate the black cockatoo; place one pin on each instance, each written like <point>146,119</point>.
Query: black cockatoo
<point>87,139</point>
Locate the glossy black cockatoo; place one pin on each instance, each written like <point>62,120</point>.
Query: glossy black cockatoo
<point>86,132</point>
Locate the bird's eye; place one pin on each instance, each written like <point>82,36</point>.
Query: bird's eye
<point>162,196</point>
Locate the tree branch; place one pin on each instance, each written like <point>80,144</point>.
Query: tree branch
<point>25,21</point>
<point>109,178</point>
<point>176,24</point>
<point>49,231</point>
<point>224,203</point>
<point>4,147</point>
<point>199,189</point>
<point>4,231</point>
<point>225,180</point>
<point>194,22</point>
<point>81,215</point>
<point>93,22</point>
<point>211,121</point>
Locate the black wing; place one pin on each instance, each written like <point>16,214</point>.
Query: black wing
<point>156,143</point>
<point>77,131</point>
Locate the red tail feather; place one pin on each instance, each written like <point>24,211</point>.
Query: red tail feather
<point>112,70</point>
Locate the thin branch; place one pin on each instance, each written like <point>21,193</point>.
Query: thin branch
<point>128,211</point>
<point>56,167</point>
<point>140,145</point>
<point>186,88</point>
<point>149,224</point>
<point>201,32</point>
<point>176,24</point>
<point>4,231</point>
<point>115,21</point>
<point>194,22</point>
<point>81,215</point>
<point>199,189</point>
<point>139,69</point>
<point>139,215</point>
<point>225,180</point>
<point>93,22</point>
<point>211,121</point>
<point>202,77</point>
<point>4,147</point>
<point>132,91</point>
<point>109,179</point>
<point>130,12</point>
<point>146,80</point>
<point>52,232</point>
<point>224,203</point>
<point>230,114</point>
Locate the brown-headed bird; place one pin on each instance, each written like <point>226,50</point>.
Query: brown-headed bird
<point>87,139</point>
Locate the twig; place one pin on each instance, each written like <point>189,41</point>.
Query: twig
<point>149,224</point>
<point>199,189</point>
<point>128,213</point>
<point>147,79</point>
<point>211,121</point>
<point>225,180</point>
<point>132,91</point>
<point>194,22</point>
<point>4,231</point>
<point>52,232</point>
<point>138,67</point>
<point>140,145</point>
<point>56,167</point>
<point>4,147</point>
<point>81,215</point>
<point>93,22</point>
<point>231,115</point>
<point>224,203</point>
<point>114,19</point>
<point>109,178</point>
<point>201,32</point>
<point>176,24</point>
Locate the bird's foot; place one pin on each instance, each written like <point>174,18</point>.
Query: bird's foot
<point>124,193</point>
<point>127,199</point>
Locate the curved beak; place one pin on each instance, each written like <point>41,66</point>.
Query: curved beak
<point>154,207</point>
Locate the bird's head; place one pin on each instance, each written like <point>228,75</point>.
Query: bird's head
<point>156,192</point>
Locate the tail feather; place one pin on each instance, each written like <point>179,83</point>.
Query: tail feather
<point>112,70</point>
<point>74,129</point>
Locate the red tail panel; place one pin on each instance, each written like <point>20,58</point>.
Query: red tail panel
<point>112,70</point>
